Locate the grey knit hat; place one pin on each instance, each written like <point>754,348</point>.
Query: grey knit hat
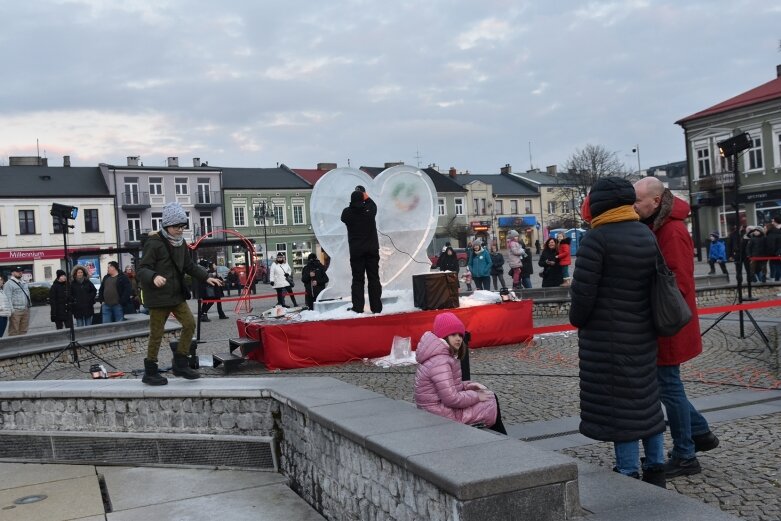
<point>173,214</point>
<point>513,233</point>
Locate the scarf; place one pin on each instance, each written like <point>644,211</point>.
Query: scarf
<point>175,241</point>
<point>615,215</point>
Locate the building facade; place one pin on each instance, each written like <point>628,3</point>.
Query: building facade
<point>559,199</point>
<point>711,176</point>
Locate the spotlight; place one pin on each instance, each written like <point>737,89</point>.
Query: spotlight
<point>735,145</point>
<point>64,211</point>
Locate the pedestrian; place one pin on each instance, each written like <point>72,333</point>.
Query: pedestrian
<point>527,268</point>
<point>466,278</point>
<point>114,294</point>
<point>717,253</point>
<point>774,246</point>
<point>5,308</point>
<point>549,261</point>
<point>537,247</point>
<point>58,301</point>
<point>364,244</point>
<point>564,256</point>
<point>83,295</point>
<point>665,215</point>
<point>134,302</point>
<point>232,281</point>
<point>756,247</point>
<point>611,307</point>
<point>497,271</point>
<point>479,262</point>
<point>736,249</point>
<point>448,261</point>
<point>314,278</point>
<point>439,388</point>
<point>515,256</point>
<point>212,293</point>
<point>165,261</point>
<point>282,279</point>
<point>18,294</point>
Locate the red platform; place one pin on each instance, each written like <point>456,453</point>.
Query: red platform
<point>305,344</point>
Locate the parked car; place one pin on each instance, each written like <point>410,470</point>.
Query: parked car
<point>460,253</point>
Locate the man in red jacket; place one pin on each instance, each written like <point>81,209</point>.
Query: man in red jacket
<point>665,214</point>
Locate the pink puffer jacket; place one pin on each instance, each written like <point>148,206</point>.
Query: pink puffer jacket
<point>439,389</point>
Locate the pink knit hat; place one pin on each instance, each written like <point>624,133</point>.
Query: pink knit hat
<point>446,324</point>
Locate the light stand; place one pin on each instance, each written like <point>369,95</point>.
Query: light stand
<point>262,212</point>
<point>62,214</point>
<point>731,148</point>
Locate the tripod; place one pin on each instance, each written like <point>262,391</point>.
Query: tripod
<point>73,345</point>
<point>739,261</point>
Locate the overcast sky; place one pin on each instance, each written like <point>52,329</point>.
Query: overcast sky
<point>464,83</point>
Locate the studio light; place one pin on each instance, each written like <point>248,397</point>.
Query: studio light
<point>64,211</point>
<point>735,144</point>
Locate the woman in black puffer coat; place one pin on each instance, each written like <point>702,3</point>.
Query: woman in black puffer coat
<point>611,307</point>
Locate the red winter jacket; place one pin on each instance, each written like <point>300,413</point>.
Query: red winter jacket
<point>677,250</point>
<point>564,256</point>
<point>439,389</point>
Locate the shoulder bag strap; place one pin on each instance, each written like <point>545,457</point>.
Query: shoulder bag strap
<point>29,304</point>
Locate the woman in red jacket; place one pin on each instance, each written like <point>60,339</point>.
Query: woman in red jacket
<point>438,385</point>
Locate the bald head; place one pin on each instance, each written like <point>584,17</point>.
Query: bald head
<point>649,192</point>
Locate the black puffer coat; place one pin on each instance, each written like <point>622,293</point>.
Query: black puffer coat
<point>619,399</point>
<point>57,302</point>
<point>84,294</point>
<point>361,227</point>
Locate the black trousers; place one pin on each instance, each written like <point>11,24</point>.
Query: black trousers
<point>368,263</point>
<point>281,295</point>
<point>499,425</point>
<point>311,295</point>
<point>206,307</point>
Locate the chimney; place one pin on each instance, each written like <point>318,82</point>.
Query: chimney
<point>132,160</point>
<point>173,162</point>
<point>196,161</point>
<point>778,71</point>
<point>325,167</point>
<point>66,161</point>
<point>551,170</point>
<point>452,172</point>
<point>397,163</point>
<point>506,169</point>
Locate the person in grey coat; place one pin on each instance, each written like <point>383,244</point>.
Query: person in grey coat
<point>611,307</point>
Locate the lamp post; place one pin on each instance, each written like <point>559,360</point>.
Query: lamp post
<point>636,150</point>
<point>262,212</point>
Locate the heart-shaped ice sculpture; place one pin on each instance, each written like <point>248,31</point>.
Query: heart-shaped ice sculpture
<point>406,200</point>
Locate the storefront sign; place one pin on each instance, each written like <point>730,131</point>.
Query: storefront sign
<point>30,255</point>
<point>518,222</point>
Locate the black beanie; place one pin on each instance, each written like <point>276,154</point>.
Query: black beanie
<point>356,197</point>
<point>312,257</point>
<point>610,192</point>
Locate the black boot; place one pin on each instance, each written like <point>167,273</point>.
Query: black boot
<point>705,442</point>
<point>205,318</point>
<point>682,467</point>
<point>655,476</point>
<point>181,367</point>
<point>152,375</point>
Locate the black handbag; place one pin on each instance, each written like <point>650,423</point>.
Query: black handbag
<point>290,281</point>
<point>670,311</point>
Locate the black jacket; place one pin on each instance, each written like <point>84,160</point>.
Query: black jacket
<point>447,262</point>
<point>527,266</point>
<point>124,289</point>
<point>773,241</point>
<point>611,307</point>
<point>497,261</point>
<point>156,260</point>
<point>552,275</point>
<point>361,227</point>
<point>84,294</point>
<point>57,301</point>
<point>316,267</point>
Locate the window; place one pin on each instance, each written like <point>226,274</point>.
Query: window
<point>459,205</point>
<point>527,206</point>
<point>441,206</point>
<point>499,206</point>
<point>281,247</point>
<point>157,221</point>
<point>26,222</point>
<point>551,206</point>
<point>156,185</point>
<point>482,206</point>
<point>181,186</point>
<point>278,207</point>
<point>755,153</point>
<point>205,222</point>
<point>257,212</point>
<point>514,206</point>
<point>298,212</point>
<point>238,216</point>
<point>91,224</point>
<point>131,190</point>
<point>133,227</point>
<point>476,205</point>
<point>778,149</point>
<point>703,162</point>
<point>204,191</point>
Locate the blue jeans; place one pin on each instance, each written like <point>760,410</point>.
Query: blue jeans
<point>526,282</point>
<point>683,418</point>
<point>112,313</point>
<point>81,322</point>
<point>775,270</point>
<point>628,454</point>
<point>3,323</point>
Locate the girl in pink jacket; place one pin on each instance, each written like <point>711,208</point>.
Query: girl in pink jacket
<point>438,385</point>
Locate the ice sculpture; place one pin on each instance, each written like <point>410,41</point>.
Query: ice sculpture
<point>406,222</point>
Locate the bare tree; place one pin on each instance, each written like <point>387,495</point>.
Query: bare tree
<point>584,168</point>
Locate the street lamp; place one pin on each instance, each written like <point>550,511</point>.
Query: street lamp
<point>636,150</point>
<point>262,212</point>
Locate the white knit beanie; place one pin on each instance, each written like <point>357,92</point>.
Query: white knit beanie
<point>173,214</point>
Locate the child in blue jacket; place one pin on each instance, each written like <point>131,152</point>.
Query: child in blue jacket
<point>717,253</point>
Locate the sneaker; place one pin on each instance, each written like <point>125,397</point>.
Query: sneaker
<point>705,442</point>
<point>676,467</point>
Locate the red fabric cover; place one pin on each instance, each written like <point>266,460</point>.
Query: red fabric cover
<point>677,250</point>
<point>306,344</point>
<point>440,390</point>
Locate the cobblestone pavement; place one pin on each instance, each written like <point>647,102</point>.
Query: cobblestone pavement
<point>539,381</point>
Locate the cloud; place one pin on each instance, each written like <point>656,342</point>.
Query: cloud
<point>609,13</point>
<point>485,32</point>
<point>299,68</point>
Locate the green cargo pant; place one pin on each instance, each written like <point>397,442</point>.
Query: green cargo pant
<point>157,318</point>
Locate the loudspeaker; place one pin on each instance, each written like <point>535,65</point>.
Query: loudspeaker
<point>435,290</point>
